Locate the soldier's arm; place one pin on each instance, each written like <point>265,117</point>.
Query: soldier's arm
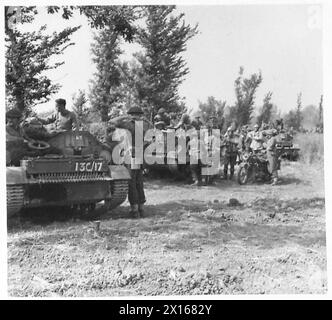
<point>48,120</point>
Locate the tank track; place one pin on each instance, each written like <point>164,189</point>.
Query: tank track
<point>15,199</point>
<point>119,190</point>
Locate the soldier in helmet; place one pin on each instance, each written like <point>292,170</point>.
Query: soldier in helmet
<point>136,195</point>
<point>164,116</point>
<point>13,129</point>
<point>231,152</point>
<point>16,139</point>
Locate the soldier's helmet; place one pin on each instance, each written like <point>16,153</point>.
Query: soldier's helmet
<point>229,129</point>
<point>161,111</point>
<point>256,126</point>
<point>135,110</point>
<point>13,113</point>
<point>157,118</point>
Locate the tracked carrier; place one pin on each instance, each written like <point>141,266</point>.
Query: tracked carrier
<point>78,175</point>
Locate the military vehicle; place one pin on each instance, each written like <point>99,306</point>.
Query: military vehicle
<point>72,169</point>
<point>286,148</point>
<point>253,167</point>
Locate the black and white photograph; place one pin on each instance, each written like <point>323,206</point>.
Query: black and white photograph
<point>164,150</point>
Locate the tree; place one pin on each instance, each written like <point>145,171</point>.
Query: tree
<point>298,113</point>
<point>161,67</point>
<point>212,107</point>
<point>28,57</point>
<point>81,109</point>
<point>28,54</point>
<point>245,89</point>
<point>106,93</point>
<point>266,110</point>
<point>320,113</point>
<point>290,119</point>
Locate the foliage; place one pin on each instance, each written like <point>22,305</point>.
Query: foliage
<point>312,147</point>
<point>245,89</point>
<point>119,19</point>
<point>320,113</point>
<point>28,57</point>
<point>212,107</point>
<point>298,113</point>
<point>266,110</point>
<point>106,92</point>
<point>161,68</point>
<point>28,53</point>
<point>81,109</point>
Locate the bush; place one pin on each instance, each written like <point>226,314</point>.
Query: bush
<point>312,147</point>
<point>98,129</point>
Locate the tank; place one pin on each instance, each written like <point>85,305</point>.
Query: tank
<point>73,169</point>
<point>286,148</point>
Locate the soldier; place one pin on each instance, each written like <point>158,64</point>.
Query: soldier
<point>13,129</point>
<point>272,156</point>
<point>242,139</point>
<point>136,195</point>
<point>231,152</point>
<point>63,119</point>
<point>257,139</point>
<point>164,116</point>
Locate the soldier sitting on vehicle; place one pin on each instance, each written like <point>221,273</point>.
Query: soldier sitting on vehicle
<point>63,119</point>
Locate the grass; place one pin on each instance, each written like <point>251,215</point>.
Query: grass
<point>312,147</point>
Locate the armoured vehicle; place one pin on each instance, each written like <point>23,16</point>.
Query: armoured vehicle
<point>286,148</point>
<point>72,169</point>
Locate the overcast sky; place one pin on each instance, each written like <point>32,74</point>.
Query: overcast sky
<point>279,40</point>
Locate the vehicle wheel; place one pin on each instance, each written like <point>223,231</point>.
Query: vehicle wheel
<point>243,175</point>
<point>38,145</point>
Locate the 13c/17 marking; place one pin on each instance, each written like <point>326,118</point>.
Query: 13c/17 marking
<point>186,309</point>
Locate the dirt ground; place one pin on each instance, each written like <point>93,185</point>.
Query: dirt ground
<point>191,242</point>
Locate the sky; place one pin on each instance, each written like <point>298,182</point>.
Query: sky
<point>284,42</point>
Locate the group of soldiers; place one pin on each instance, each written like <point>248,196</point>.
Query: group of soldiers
<point>233,142</point>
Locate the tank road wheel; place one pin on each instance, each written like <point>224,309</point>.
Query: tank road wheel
<point>119,191</point>
<point>15,199</point>
<point>243,175</point>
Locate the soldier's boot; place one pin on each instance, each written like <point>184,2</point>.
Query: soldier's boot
<point>134,210</point>
<point>274,181</point>
<point>141,210</point>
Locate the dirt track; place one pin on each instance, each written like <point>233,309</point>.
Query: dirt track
<point>190,242</point>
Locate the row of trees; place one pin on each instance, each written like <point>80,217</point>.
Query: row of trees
<point>151,79</point>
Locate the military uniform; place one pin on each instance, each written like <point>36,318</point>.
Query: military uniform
<point>62,122</point>
<point>231,153</point>
<point>272,157</point>
<point>136,195</point>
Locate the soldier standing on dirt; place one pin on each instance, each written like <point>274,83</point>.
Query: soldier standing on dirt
<point>231,152</point>
<point>136,195</point>
<point>272,156</point>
